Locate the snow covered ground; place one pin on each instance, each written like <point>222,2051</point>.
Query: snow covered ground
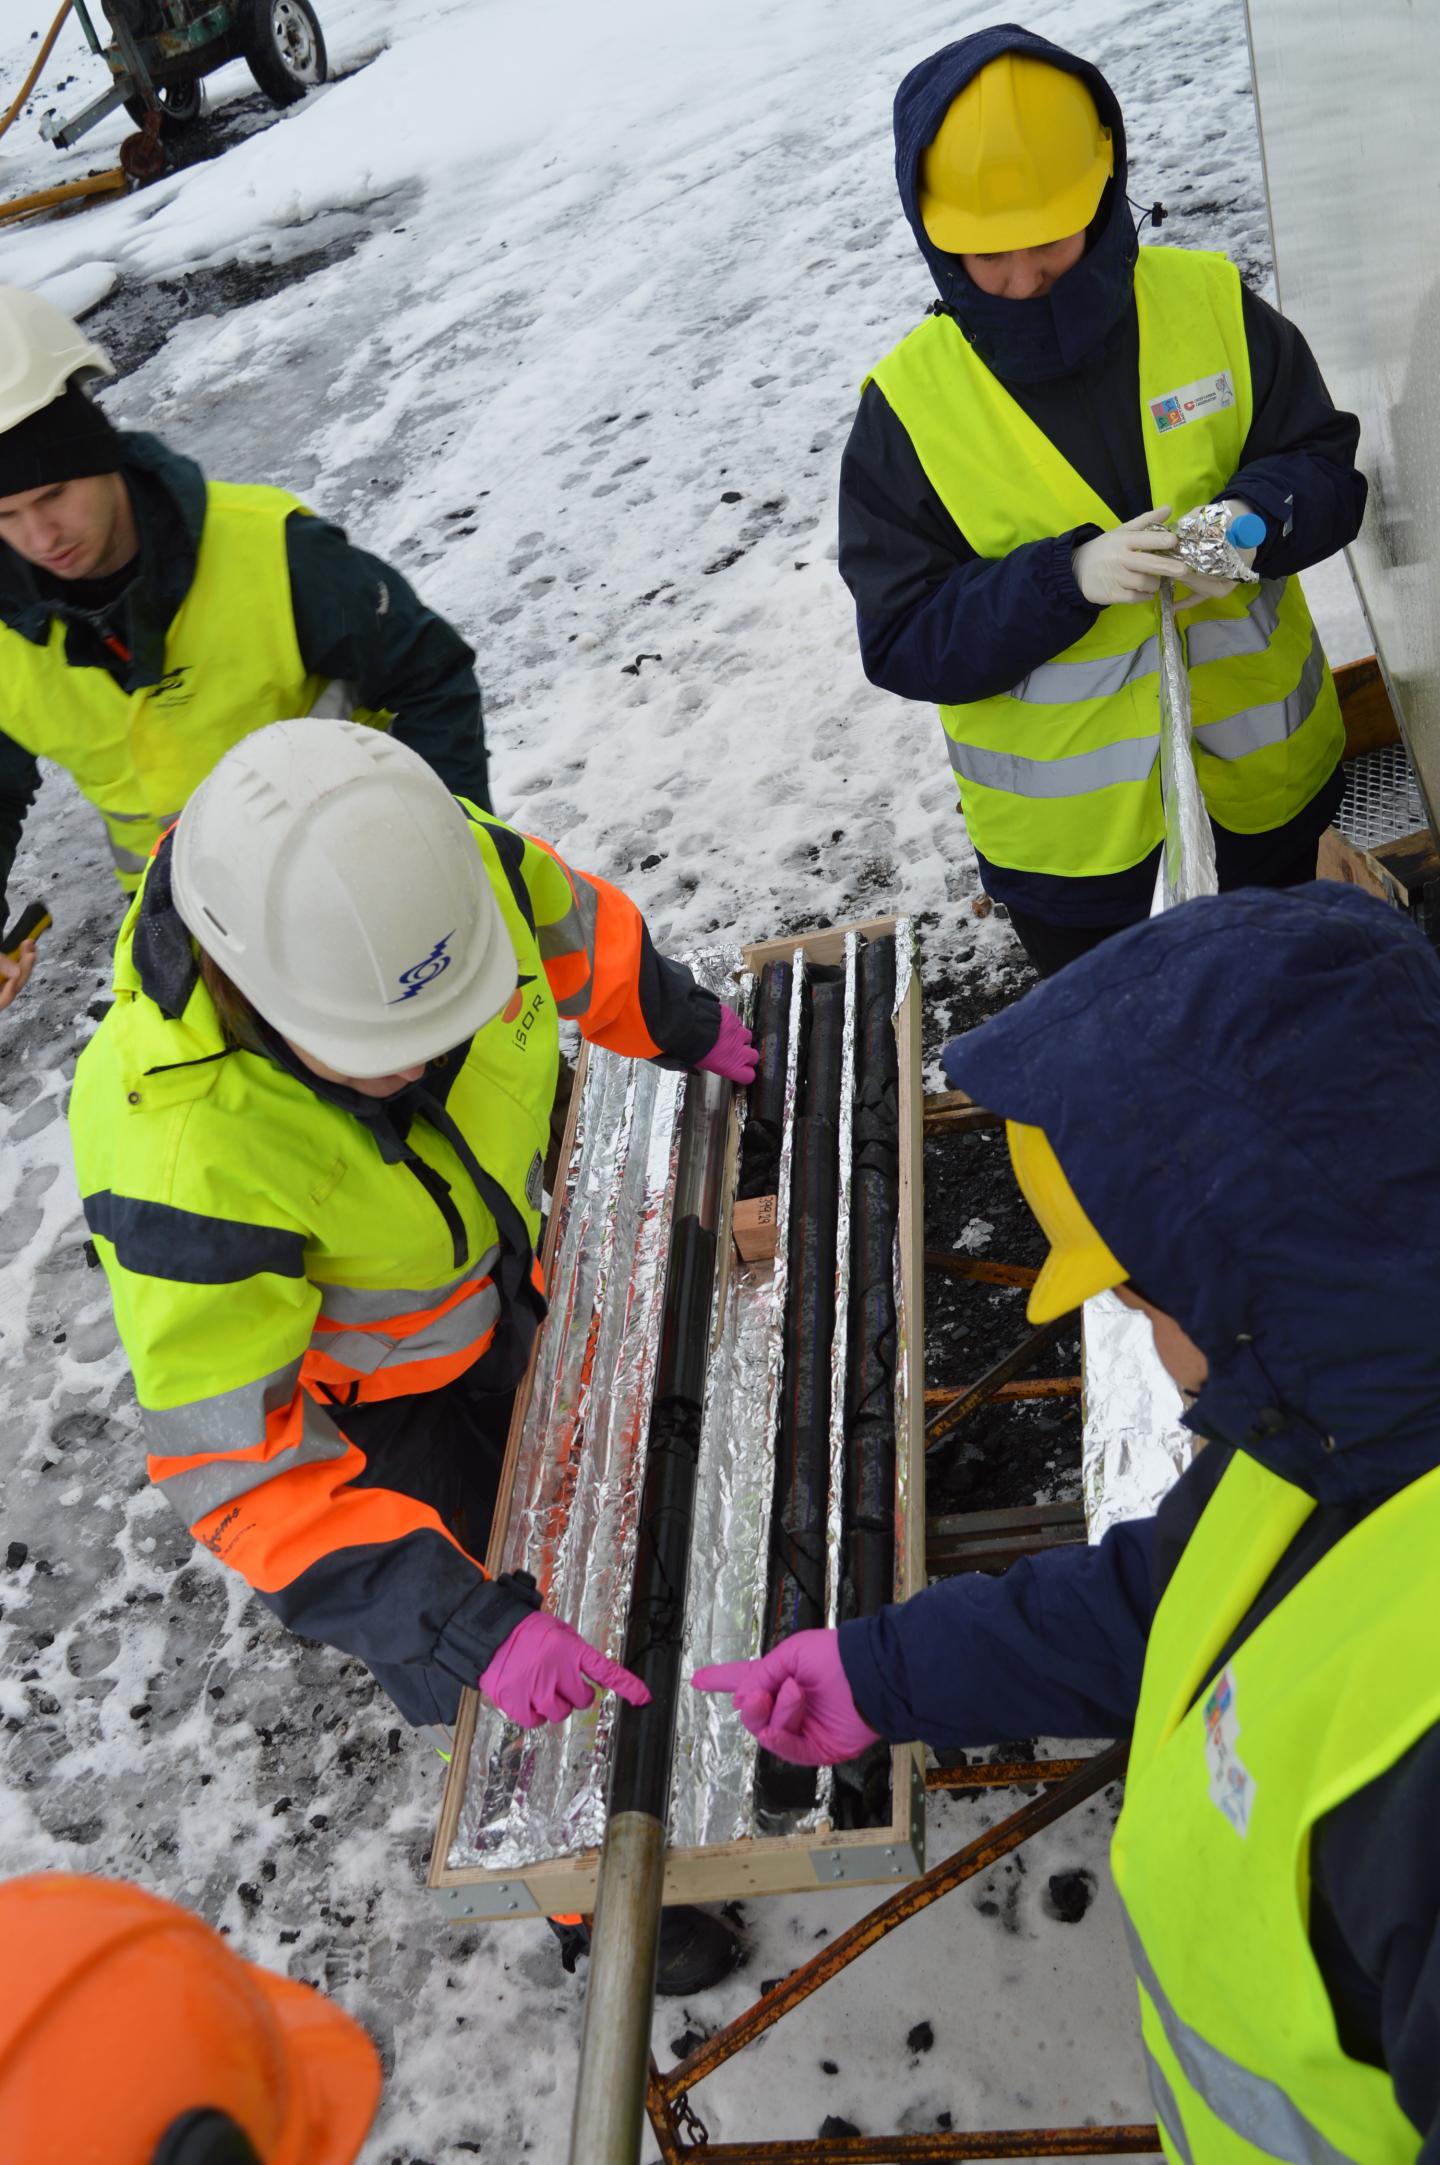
<point>593,291</point>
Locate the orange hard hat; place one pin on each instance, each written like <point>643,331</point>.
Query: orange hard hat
<point>123,2015</point>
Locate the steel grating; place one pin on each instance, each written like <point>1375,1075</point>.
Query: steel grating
<point>1382,798</point>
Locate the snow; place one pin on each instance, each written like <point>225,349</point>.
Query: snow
<point>593,291</point>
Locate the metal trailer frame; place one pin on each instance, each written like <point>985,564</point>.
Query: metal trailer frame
<point>984,1540</point>
<point>679,2128</point>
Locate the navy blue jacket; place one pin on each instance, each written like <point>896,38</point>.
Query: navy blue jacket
<point>938,623</point>
<point>1242,1093</point>
<point>355,618</point>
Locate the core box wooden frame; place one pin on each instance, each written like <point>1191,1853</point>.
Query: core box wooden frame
<point>769,1864</point>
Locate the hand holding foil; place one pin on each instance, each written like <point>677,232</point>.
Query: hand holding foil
<point>1127,563</point>
<point>1211,560</point>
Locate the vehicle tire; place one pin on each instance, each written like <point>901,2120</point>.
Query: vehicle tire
<point>285,49</point>
<point>181,103</point>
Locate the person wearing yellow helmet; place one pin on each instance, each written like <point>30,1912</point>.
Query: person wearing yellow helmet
<point>1267,1640</point>
<point>1005,491</point>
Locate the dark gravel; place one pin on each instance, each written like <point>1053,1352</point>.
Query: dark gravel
<point>1013,1453</point>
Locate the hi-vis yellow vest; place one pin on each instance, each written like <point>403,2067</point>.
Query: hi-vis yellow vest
<point>1060,774</point>
<point>1211,1855</point>
<point>232,664</point>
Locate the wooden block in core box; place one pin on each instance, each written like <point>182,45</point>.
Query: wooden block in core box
<point>755,1229</point>
<point>761,1864</point>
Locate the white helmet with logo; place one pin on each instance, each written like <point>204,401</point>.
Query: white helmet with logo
<point>40,350</point>
<point>337,883</point>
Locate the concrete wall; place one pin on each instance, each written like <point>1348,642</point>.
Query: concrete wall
<point>1347,95</point>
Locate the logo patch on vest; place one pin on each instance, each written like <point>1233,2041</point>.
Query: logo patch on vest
<point>1231,1787</point>
<point>524,1011</point>
<point>422,973</point>
<point>1192,402</point>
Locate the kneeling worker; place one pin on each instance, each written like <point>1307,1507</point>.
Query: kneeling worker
<point>150,618</point>
<point>309,1136</point>
<point>1270,1639</point>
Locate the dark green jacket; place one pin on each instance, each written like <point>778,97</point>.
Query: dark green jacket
<point>355,617</point>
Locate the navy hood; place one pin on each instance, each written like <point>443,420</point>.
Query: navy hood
<point>1024,341</point>
<point>1243,1094</point>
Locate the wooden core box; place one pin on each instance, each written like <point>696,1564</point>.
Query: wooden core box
<point>768,1864</point>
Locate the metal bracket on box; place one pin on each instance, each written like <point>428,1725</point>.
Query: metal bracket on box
<point>487,1899</point>
<point>873,1861</point>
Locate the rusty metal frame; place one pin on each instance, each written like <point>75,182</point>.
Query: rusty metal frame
<point>967,1540</point>
<point>679,2128</point>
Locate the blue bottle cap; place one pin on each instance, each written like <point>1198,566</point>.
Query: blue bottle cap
<point>1246,532</point>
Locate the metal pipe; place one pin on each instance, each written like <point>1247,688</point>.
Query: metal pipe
<point>25,206</point>
<point>615,2039</point>
<point>980,1268</point>
<point>977,1856</point>
<point>1003,1773</point>
<point>46,47</point>
<point>1004,1370</point>
<point>939,2149</point>
<point>614,2048</point>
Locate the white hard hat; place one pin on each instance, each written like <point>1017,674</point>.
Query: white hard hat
<point>337,883</point>
<point>40,350</point>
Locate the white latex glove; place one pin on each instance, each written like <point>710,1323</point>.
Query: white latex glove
<point>1128,563</point>
<point>1198,586</point>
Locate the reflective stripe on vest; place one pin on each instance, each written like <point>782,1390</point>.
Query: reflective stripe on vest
<point>231,664</point>
<point>1052,774</point>
<point>235,1420</point>
<point>227,1318</point>
<point>198,1490</point>
<point>1230,1774</point>
<point>1253,2108</point>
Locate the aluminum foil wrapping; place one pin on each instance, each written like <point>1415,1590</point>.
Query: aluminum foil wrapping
<point>577,1484</point>
<point>1187,864</point>
<point>576,1490</point>
<point>1203,545</point>
<point>1135,1448</point>
<point>712,1793</point>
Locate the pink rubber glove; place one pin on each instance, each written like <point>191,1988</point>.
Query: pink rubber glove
<point>795,1701</point>
<point>734,1053</point>
<point>544,1672</point>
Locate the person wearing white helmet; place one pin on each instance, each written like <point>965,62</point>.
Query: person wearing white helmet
<point>309,1138</point>
<point>150,618</point>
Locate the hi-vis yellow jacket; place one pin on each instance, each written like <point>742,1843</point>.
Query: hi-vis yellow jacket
<point>1060,773</point>
<point>232,665</point>
<point>278,1252</point>
<point>1225,1786</point>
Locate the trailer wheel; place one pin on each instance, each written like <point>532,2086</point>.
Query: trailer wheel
<point>285,49</point>
<point>181,104</point>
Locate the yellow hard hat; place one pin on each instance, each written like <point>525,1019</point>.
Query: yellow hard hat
<point>1020,160</point>
<point>1079,1263</point>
